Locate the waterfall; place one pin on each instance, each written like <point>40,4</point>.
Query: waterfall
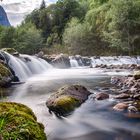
<point>25,66</point>
<point>73,62</point>
<point>120,60</point>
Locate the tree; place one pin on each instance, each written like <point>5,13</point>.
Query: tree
<point>123,25</point>
<point>43,5</point>
<point>28,39</point>
<point>7,35</point>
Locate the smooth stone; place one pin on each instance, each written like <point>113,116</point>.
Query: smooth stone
<point>120,107</point>
<point>102,96</point>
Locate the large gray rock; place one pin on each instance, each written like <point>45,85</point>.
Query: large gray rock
<point>3,17</point>
<point>61,61</point>
<point>66,99</point>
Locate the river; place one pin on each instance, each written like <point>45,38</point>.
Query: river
<point>93,120</point>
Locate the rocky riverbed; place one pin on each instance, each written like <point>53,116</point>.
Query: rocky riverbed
<point>97,102</point>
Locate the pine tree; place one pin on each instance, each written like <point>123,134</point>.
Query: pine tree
<point>43,5</point>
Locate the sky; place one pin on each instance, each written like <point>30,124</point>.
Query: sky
<point>17,9</point>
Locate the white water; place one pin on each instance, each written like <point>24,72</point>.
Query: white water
<point>74,62</point>
<point>120,60</point>
<point>115,60</point>
<point>25,66</point>
<point>88,118</point>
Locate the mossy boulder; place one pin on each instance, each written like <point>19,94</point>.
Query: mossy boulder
<point>11,51</point>
<point>66,99</point>
<point>18,122</point>
<point>136,75</point>
<point>5,75</point>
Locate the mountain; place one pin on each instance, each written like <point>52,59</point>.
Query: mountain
<point>3,17</point>
<point>18,9</point>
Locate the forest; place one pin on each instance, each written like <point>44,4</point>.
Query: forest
<point>85,27</point>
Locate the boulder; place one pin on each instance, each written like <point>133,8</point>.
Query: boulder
<point>40,54</point>
<point>102,96</point>
<point>18,122</point>
<point>48,58</point>
<point>120,107</point>
<point>66,99</point>
<point>61,61</point>
<point>86,61</point>
<point>5,75</point>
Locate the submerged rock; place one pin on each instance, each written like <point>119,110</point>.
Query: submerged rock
<point>18,122</point>
<point>67,98</point>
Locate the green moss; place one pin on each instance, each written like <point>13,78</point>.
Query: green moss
<point>66,99</point>
<point>137,75</point>
<point>4,71</point>
<point>18,122</point>
<point>10,50</point>
<point>66,103</point>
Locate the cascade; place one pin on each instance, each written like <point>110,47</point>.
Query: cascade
<point>120,60</point>
<point>73,62</point>
<point>25,66</point>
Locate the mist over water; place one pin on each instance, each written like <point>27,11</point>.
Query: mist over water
<point>93,119</point>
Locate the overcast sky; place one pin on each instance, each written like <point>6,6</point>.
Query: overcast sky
<point>17,9</point>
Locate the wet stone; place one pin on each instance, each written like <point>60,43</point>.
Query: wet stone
<point>120,107</point>
<point>102,96</point>
<point>122,96</point>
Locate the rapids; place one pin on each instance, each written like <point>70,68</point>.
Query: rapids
<point>93,120</point>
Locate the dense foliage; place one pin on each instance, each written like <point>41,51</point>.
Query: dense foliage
<point>87,27</point>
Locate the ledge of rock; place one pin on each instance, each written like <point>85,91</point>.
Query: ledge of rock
<point>66,99</point>
<point>19,122</point>
<point>11,51</point>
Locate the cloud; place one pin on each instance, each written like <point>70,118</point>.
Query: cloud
<point>17,9</point>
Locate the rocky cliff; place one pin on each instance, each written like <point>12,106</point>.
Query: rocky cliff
<point>3,17</point>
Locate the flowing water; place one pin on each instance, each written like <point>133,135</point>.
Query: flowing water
<point>93,120</point>
<point>26,66</point>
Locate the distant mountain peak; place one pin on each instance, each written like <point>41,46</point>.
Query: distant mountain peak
<point>3,17</point>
